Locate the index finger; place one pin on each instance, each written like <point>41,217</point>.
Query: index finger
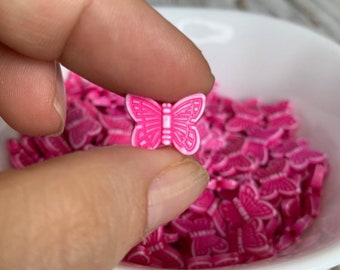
<point>122,45</point>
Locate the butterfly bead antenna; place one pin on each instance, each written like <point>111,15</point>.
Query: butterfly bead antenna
<point>166,124</point>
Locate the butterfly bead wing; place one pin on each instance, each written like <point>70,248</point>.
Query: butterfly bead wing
<point>253,204</point>
<point>185,114</point>
<point>147,114</point>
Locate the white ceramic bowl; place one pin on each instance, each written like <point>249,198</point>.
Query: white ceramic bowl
<point>256,56</point>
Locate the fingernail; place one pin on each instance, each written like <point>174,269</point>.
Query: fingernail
<point>173,190</point>
<point>60,99</point>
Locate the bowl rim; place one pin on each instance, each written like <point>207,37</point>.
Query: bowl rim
<point>310,261</point>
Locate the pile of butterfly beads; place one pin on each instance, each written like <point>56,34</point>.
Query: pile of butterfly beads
<point>265,187</point>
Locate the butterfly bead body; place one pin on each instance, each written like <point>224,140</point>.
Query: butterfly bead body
<point>166,124</point>
<point>248,205</point>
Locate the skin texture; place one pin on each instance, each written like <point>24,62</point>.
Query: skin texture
<point>89,216</point>
<point>86,210</point>
<point>123,45</point>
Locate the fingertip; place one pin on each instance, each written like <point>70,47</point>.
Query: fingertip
<point>100,206</point>
<point>135,50</point>
<point>28,90</point>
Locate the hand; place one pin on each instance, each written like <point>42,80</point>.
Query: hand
<point>86,210</point>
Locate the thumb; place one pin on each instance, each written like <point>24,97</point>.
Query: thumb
<point>87,209</point>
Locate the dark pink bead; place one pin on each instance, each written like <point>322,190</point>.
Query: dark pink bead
<point>301,225</point>
<point>116,137</point>
<point>139,255</point>
<point>204,240</point>
<point>29,146</point>
<point>13,146</point>
<point>284,241</point>
<point>291,207</point>
<point>284,121</point>
<point>73,84</point>
<point>226,259</point>
<point>318,177</point>
<point>302,156</point>
<point>74,116</point>
<point>273,225</point>
<point>265,188</point>
<point>200,262</point>
<point>203,203</point>
<point>53,146</point>
<point>21,160</point>
<point>252,239</point>
<point>82,132</point>
<point>311,204</point>
<point>281,107</point>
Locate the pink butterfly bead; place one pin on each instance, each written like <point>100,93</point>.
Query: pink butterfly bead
<point>281,107</point>
<point>51,146</point>
<point>287,146</point>
<point>166,124</point>
<point>170,236</point>
<point>27,143</point>
<point>247,115</point>
<point>300,225</point>
<point>139,255</point>
<point>13,146</point>
<point>248,205</point>
<point>302,156</point>
<point>273,225</point>
<point>219,184</point>
<point>284,241</point>
<point>275,180</point>
<point>204,240</point>
<point>291,207</point>
<point>155,252</point>
<point>226,259</point>
<point>203,203</point>
<point>318,177</point>
<point>219,223</point>
<point>21,159</point>
<point>200,262</point>
<point>73,85</point>
<point>251,238</point>
<point>311,204</point>
<point>159,249</point>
